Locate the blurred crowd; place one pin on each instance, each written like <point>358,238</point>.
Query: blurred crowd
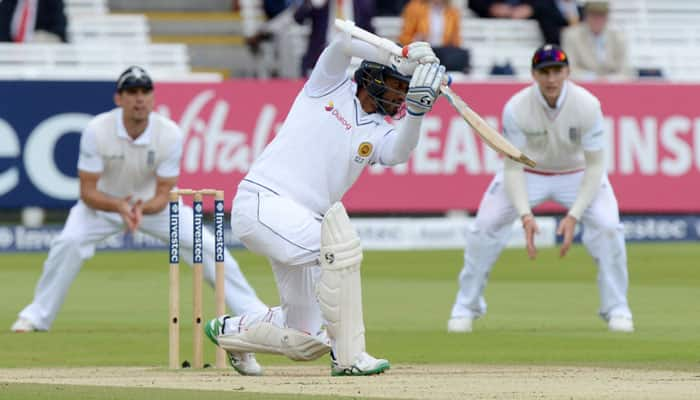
<point>32,21</point>
<point>579,26</point>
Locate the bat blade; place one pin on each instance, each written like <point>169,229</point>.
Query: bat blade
<point>489,135</point>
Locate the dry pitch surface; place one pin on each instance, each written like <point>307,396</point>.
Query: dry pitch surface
<point>401,382</point>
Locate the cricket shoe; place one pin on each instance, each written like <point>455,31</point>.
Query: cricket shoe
<point>459,325</point>
<point>23,325</point>
<point>364,365</point>
<point>243,363</point>
<point>621,324</point>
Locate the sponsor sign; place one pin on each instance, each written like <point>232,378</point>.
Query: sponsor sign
<point>654,228</point>
<point>16,238</point>
<point>435,233</point>
<point>388,234</point>
<point>40,125</point>
<point>653,152</point>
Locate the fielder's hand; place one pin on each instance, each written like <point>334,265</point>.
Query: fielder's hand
<point>414,54</point>
<point>531,229</point>
<point>131,217</point>
<point>424,88</point>
<point>566,228</point>
<point>137,212</point>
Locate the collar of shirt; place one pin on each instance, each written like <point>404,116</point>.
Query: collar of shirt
<point>552,111</point>
<point>142,140</point>
<point>363,118</point>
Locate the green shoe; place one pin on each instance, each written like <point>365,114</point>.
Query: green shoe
<point>243,363</point>
<point>215,327</point>
<point>364,365</point>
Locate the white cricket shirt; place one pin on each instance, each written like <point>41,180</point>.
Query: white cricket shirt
<point>126,166</point>
<point>323,145</point>
<point>555,138</point>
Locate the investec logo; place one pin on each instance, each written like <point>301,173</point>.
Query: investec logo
<point>197,258</point>
<point>219,231</point>
<point>334,111</point>
<point>174,229</point>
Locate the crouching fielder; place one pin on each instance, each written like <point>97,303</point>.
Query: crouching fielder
<point>561,125</point>
<point>288,206</point>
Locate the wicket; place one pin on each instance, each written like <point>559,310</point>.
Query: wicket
<point>197,258</point>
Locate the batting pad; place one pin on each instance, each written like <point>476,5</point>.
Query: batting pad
<point>339,289</point>
<point>265,337</point>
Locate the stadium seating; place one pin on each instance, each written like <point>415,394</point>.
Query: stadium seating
<point>85,7</point>
<point>100,46</point>
<point>94,61</point>
<point>662,35</point>
<point>490,41</point>
<point>286,58</point>
<point>127,28</point>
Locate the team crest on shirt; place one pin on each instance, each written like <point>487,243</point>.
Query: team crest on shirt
<point>365,149</point>
<point>574,134</point>
<point>151,157</point>
<point>329,106</point>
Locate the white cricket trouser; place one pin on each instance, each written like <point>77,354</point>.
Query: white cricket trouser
<point>603,236</point>
<point>85,227</point>
<point>289,235</point>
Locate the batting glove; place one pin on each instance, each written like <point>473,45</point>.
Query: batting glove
<point>414,54</point>
<point>424,88</point>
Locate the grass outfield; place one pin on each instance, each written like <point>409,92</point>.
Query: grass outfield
<point>540,313</point>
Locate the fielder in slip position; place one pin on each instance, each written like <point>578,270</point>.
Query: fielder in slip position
<point>560,125</point>
<point>288,206</point>
<point>129,161</point>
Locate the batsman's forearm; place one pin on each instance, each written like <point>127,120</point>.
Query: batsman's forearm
<point>399,147</point>
<point>366,51</point>
<point>335,59</point>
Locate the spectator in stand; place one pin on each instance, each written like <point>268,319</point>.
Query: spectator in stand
<point>435,22</point>
<point>551,15</point>
<point>509,9</point>
<point>362,13</point>
<point>281,14</point>
<point>278,14</point>
<point>390,8</point>
<point>319,11</point>
<point>32,21</point>
<point>555,15</point>
<point>594,50</point>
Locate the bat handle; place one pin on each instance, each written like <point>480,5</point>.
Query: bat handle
<point>349,27</point>
<point>447,81</point>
